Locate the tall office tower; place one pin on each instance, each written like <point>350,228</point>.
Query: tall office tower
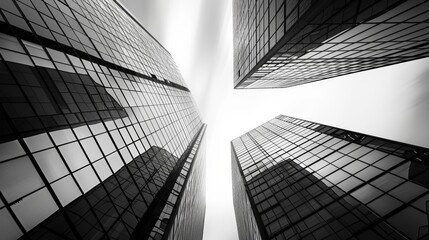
<point>286,43</point>
<point>99,136</point>
<point>295,179</point>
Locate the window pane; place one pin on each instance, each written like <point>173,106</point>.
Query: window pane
<point>366,193</point>
<point>38,142</point>
<point>74,156</point>
<point>384,204</point>
<point>102,169</point>
<point>115,161</point>
<point>105,143</point>
<point>9,230</point>
<point>18,177</point>
<point>86,178</point>
<point>11,43</point>
<point>66,190</point>
<point>91,148</point>
<point>10,150</point>
<point>409,221</point>
<point>35,208</point>
<point>63,136</point>
<point>51,164</point>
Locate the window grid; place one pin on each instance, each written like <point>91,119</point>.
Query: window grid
<point>304,175</point>
<point>327,40</point>
<point>83,110</point>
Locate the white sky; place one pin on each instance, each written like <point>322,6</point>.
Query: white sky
<point>390,102</point>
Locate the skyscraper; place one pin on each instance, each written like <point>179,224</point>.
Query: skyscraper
<point>295,179</point>
<point>99,135</point>
<point>287,43</point>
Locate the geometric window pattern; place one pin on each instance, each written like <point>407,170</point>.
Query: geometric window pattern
<point>42,86</point>
<point>304,180</point>
<point>288,43</point>
<point>188,216</point>
<point>188,222</point>
<point>114,206</point>
<point>96,124</point>
<point>103,30</point>
<point>247,225</point>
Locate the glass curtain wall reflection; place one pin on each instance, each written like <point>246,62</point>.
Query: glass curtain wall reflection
<point>275,40</point>
<point>303,180</point>
<point>99,135</point>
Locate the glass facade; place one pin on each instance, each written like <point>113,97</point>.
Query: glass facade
<point>246,222</point>
<point>188,223</point>
<point>304,180</point>
<point>286,43</point>
<point>99,136</point>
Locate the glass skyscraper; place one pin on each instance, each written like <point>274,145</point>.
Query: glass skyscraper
<point>286,43</point>
<point>295,179</point>
<point>99,135</point>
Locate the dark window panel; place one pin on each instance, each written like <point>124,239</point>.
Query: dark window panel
<point>50,96</point>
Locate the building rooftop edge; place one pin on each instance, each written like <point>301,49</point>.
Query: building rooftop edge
<point>339,128</point>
